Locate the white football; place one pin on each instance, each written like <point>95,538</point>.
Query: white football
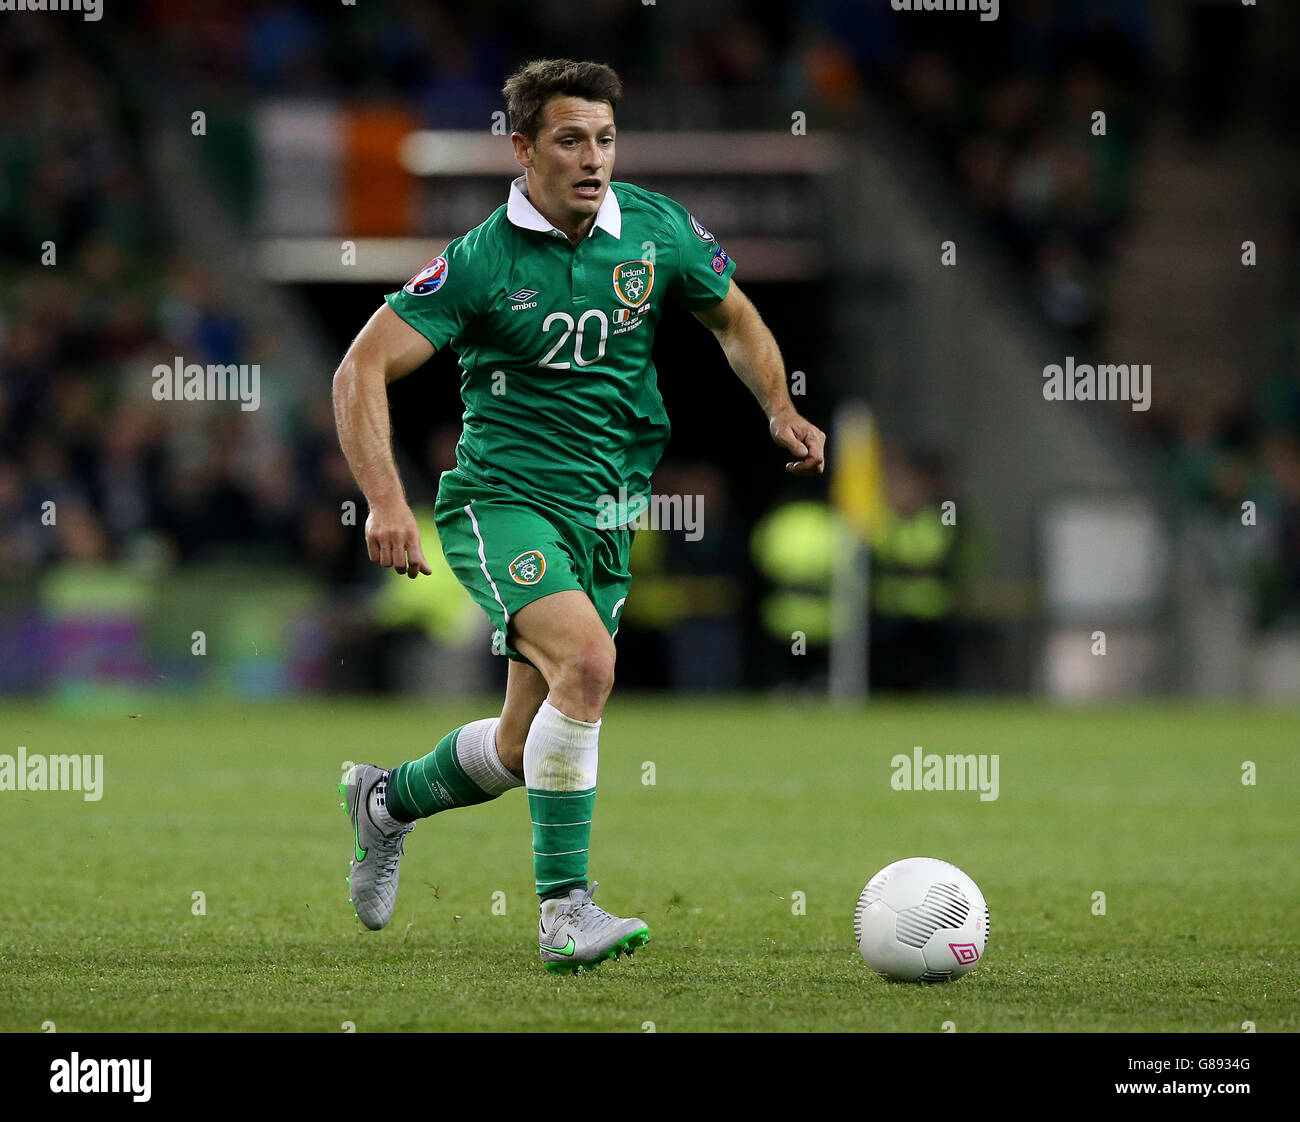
<point>921,920</point>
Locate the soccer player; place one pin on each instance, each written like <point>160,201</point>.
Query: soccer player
<point>551,305</point>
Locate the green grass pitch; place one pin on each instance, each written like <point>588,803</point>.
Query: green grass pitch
<point>753,800</point>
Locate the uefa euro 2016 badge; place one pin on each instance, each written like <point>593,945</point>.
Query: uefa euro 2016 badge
<point>720,261</point>
<point>429,279</point>
<point>528,568</point>
<point>633,281</point>
<point>700,232</point>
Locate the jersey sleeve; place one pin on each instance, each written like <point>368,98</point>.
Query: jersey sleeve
<point>703,267</point>
<point>443,297</point>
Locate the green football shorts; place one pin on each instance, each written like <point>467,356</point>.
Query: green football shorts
<point>509,551</point>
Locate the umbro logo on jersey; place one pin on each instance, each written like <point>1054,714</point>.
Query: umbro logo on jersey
<point>523,299</point>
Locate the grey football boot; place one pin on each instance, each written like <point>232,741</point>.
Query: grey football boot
<point>576,934</point>
<point>375,855</point>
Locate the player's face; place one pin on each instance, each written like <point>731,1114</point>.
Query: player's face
<point>572,159</point>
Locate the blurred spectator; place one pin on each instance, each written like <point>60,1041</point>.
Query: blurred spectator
<point>688,582</point>
<point>921,565</point>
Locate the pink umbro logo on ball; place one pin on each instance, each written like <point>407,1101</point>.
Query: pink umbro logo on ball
<point>964,953</point>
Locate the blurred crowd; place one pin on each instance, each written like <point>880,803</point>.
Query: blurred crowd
<point>1017,134</point>
<point>1236,458</point>
<point>92,296</point>
<point>94,293</point>
<point>81,326</point>
<point>1006,106</point>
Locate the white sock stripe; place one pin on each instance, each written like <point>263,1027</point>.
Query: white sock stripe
<point>442,781</point>
<point>586,823</point>
<point>571,725</point>
<point>432,793</point>
<point>562,853</point>
<point>560,754</point>
<point>562,794</point>
<point>507,777</point>
<point>410,802</point>
<point>476,752</point>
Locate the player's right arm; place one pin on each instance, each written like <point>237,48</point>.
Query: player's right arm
<point>387,348</point>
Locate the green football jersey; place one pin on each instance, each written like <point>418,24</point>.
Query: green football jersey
<point>562,404</point>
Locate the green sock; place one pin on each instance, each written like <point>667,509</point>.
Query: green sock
<point>561,836</point>
<point>432,783</point>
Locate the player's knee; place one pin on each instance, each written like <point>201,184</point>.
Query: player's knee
<point>587,671</point>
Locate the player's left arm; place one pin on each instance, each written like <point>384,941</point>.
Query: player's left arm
<point>754,356</point>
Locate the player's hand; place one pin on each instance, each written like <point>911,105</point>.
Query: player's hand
<point>803,439</point>
<point>393,540</point>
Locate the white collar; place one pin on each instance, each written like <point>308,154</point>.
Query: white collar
<point>523,214</point>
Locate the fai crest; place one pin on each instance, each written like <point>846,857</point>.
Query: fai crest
<point>528,568</point>
<point>633,281</point>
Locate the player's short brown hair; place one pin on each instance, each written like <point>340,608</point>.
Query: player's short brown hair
<point>530,87</point>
